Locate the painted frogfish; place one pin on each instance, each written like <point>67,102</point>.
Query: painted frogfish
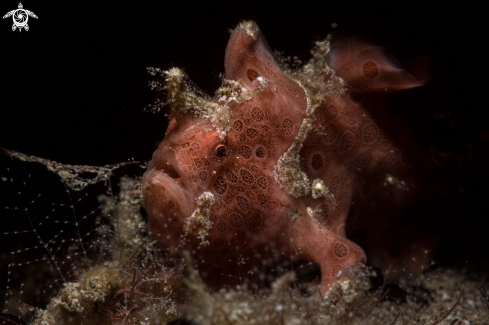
<point>268,167</point>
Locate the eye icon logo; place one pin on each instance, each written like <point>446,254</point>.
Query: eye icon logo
<point>20,17</point>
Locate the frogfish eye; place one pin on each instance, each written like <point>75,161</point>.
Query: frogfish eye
<point>220,150</point>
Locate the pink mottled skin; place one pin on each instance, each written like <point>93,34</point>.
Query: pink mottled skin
<point>254,220</point>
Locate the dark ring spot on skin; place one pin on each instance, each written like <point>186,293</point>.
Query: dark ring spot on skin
<point>370,69</point>
<point>260,152</point>
<point>252,74</point>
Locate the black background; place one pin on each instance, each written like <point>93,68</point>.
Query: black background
<point>74,87</point>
